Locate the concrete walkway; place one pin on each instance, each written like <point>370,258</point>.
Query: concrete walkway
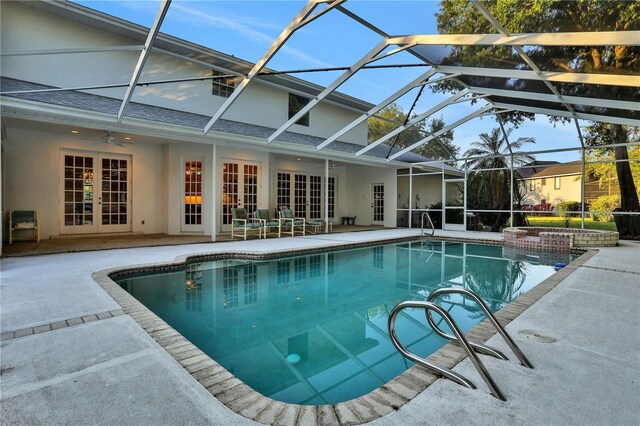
<point>92,364</point>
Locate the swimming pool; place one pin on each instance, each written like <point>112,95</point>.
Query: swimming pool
<point>312,329</point>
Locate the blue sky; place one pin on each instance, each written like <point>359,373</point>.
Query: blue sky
<point>246,29</point>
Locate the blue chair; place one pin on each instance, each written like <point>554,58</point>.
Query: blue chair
<point>318,225</point>
<point>24,220</point>
<point>240,222</point>
<point>268,224</point>
<point>291,223</point>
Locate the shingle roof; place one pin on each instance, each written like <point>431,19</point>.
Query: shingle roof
<point>102,104</point>
<point>526,172</point>
<point>571,168</point>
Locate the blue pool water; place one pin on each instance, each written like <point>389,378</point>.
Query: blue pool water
<point>313,329</point>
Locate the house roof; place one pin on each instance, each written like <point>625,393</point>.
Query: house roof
<point>168,44</point>
<point>563,169</point>
<point>533,167</point>
<point>101,104</point>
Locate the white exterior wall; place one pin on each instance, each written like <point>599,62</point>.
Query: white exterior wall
<point>33,178</point>
<point>355,194</point>
<point>25,28</point>
<point>570,189</point>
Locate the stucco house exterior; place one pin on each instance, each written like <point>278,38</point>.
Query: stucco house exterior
<point>90,163</point>
<point>563,182</point>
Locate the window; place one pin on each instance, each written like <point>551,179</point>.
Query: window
<point>532,185</point>
<point>543,181</point>
<point>296,103</point>
<point>556,183</point>
<point>222,86</point>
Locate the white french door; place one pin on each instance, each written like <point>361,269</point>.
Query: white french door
<point>377,204</point>
<point>95,192</point>
<point>192,206</point>
<point>240,188</point>
<point>304,194</point>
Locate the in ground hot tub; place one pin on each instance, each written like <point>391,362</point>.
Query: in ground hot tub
<point>557,239</point>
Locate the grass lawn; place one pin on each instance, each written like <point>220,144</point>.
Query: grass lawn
<point>558,222</point>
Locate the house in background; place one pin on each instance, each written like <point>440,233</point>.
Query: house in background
<point>563,182</point>
<point>68,155</point>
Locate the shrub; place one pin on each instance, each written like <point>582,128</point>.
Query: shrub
<point>604,203</point>
<point>566,210</point>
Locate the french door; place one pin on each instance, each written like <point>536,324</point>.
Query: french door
<point>192,206</point>
<point>377,204</point>
<point>95,193</point>
<point>304,194</point>
<point>239,188</point>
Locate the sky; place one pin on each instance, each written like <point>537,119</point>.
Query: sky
<point>246,29</point>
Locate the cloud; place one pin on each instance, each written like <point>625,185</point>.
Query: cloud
<point>246,31</point>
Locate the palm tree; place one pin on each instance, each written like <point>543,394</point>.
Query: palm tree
<point>489,190</point>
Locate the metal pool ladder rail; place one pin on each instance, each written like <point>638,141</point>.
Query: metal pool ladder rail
<point>429,306</point>
<point>433,228</point>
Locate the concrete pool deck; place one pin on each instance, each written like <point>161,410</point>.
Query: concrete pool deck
<point>93,364</point>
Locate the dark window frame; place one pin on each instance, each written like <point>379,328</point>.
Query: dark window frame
<point>296,103</point>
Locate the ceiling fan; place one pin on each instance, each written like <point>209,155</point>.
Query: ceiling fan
<point>109,139</point>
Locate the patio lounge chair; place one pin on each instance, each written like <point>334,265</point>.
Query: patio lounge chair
<point>292,223</point>
<point>268,224</point>
<point>318,225</point>
<point>24,220</point>
<point>242,225</point>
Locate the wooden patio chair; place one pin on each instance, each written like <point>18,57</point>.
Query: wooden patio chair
<point>291,223</point>
<point>241,223</point>
<point>24,220</point>
<point>268,224</point>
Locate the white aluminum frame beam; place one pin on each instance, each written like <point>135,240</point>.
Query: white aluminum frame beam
<point>413,121</point>
<point>422,80</point>
<point>599,38</point>
<point>366,59</point>
<point>485,12</point>
<point>567,114</point>
<point>144,55</point>
<point>557,76</point>
<point>576,100</point>
<point>441,131</point>
<point>293,26</point>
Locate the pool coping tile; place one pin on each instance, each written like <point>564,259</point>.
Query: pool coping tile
<point>245,401</point>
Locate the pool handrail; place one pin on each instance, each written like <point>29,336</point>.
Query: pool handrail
<point>449,374</point>
<point>481,348</point>
<point>433,228</point>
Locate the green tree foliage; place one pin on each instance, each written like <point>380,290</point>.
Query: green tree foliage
<point>604,203</point>
<point>440,148</point>
<point>537,16</point>
<point>605,168</point>
<point>489,190</point>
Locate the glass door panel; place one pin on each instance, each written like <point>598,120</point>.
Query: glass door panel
<point>315,197</point>
<point>192,209</point>
<point>377,204</point>
<point>240,188</point>
<point>300,196</point>
<point>454,209</point>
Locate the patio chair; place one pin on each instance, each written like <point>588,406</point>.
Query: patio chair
<point>292,223</point>
<point>318,225</point>
<point>268,224</point>
<point>240,222</point>
<point>24,220</point>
